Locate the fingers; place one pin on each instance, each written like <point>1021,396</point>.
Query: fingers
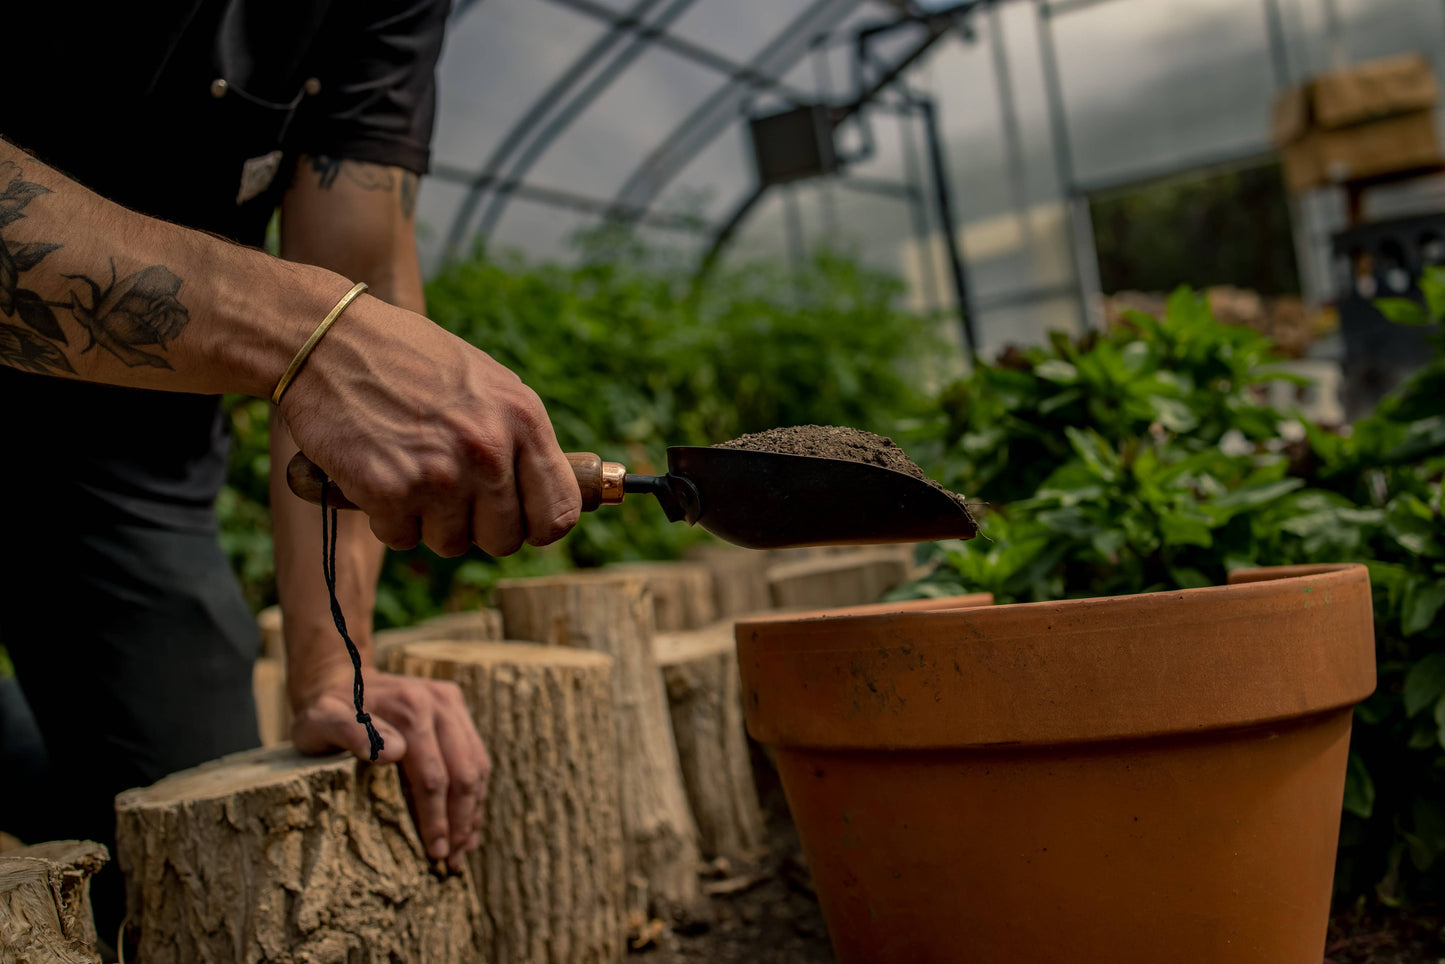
<point>551,498</point>
<point>331,725</point>
<point>397,532</point>
<point>427,778</point>
<point>497,524</point>
<point>468,767</point>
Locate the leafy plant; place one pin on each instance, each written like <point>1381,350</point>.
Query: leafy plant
<point>1141,460</point>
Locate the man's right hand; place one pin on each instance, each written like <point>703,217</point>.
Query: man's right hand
<point>432,438</point>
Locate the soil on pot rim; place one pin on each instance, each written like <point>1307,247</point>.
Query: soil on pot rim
<point>836,442</point>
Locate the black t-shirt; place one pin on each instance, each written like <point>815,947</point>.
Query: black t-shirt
<point>193,111</point>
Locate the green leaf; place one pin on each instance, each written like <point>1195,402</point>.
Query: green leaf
<point>1057,370</point>
<point>1423,601</point>
<point>1102,461</point>
<point>1432,285</point>
<point>1424,683</point>
<point>1177,529</point>
<point>1402,311</point>
<point>1188,577</point>
<point>1359,788</point>
<point>1440,721</point>
<point>1252,496</point>
<point>1173,414</point>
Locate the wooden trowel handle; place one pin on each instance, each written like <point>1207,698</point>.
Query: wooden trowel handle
<point>600,482</point>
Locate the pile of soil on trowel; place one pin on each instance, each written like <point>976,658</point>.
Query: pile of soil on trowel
<point>836,442</point>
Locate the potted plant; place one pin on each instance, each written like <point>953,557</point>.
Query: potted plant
<point>1144,778</point>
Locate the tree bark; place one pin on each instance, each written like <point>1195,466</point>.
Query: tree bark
<point>739,578</point>
<point>830,581</point>
<point>273,704</point>
<point>273,644</point>
<point>268,856</point>
<point>45,915</point>
<point>549,873</point>
<point>682,593</point>
<point>700,669</point>
<point>612,613</point>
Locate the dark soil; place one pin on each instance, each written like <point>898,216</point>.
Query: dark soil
<point>836,442</point>
<point>1369,936</point>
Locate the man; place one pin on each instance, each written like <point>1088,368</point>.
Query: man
<point>119,325</point>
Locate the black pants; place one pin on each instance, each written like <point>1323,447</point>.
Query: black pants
<point>134,651</point>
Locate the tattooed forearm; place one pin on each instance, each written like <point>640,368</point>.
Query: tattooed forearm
<point>368,177</point>
<point>140,309</point>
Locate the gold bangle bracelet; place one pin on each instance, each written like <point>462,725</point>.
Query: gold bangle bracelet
<point>305,351</point>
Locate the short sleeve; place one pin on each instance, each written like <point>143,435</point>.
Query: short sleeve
<point>377,100</point>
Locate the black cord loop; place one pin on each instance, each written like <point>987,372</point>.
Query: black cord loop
<point>328,570</point>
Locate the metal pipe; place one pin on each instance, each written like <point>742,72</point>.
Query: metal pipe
<point>943,198</point>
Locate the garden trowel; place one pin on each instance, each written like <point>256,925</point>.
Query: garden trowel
<point>759,500</point>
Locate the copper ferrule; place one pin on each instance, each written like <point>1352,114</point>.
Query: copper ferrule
<point>613,474</point>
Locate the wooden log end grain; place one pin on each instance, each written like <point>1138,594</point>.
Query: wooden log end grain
<point>549,872</point>
<point>45,915</point>
<point>271,856</point>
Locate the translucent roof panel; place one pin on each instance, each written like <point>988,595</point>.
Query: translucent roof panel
<point>1150,85</point>
<point>737,29</point>
<point>607,142</point>
<point>500,55</point>
<point>714,180</point>
<point>539,230</point>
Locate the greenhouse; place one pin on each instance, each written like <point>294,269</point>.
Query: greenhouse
<point>812,481</point>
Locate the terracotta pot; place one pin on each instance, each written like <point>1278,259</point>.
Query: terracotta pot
<point>1152,778</point>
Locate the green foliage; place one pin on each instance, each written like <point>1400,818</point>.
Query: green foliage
<point>628,361</point>
<point>1141,460</point>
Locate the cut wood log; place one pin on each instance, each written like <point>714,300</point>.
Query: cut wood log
<point>549,872</point>
<point>612,613</point>
<point>273,705</point>
<point>700,670</point>
<point>271,856</point>
<point>45,915</point>
<point>682,593</point>
<point>473,626</point>
<point>833,580</point>
<point>273,643</point>
<point>739,578</point>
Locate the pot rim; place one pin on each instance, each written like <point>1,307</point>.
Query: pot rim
<point>1272,645</point>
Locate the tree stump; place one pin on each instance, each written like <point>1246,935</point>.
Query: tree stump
<point>273,643</point>
<point>829,581</point>
<point>273,703</point>
<point>612,613</point>
<point>549,873</point>
<point>45,913</point>
<point>739,578</point>
<point>473,626</point>
<point>269,856</point>
<point>700,670</point>
<point>682,593</point>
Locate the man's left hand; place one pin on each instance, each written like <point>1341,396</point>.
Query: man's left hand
<point>429,731</point>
